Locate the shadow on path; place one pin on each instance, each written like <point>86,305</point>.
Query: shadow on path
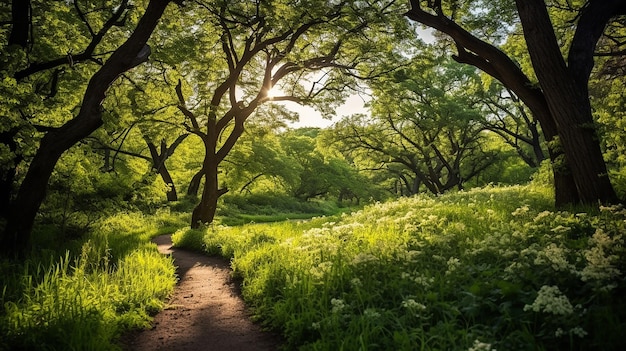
<point>205,312</point>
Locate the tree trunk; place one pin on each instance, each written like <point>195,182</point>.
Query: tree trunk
<point>171,188</point>
<point>194,184</point>
<point>158,163</point>
<point>569,106</point>
<point>16,236</point>
<point>204,212</point>
<point>565,192</point>
<point>20,19</point>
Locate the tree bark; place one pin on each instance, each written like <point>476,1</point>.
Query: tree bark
<point>158,163</point>
<point>194,184</point>
<point>16,236</point>
<point>20,18</point>
<point>204,212</point>
<point>569,105</point>
<point>7,177</point>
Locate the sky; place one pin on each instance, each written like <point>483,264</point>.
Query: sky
<point>309,117</point>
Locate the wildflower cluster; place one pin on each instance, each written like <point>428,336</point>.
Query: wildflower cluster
<point>411,304</point>
<point>602,259</point>
<point>551,300</point>
<point>481,346</point>
<point>338,305</point>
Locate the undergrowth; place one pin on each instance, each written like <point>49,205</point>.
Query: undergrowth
<point>265,208</point>
<point>485,269</point>
<point>111,282</point>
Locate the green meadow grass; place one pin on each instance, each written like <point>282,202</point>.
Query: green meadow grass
<point>486,269</point>
<point>85,299</point>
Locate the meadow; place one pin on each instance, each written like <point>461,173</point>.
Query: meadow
<point>495,268</point>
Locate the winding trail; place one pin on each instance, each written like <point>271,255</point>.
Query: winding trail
<point>205,312</point>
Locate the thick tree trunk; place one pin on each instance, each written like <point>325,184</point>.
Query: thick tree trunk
<point>204,212</point>
<point>20,18</point>
<point>568,104</point>
<point>16,236</point>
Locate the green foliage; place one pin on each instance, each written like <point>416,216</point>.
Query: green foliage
<point>297,163</point>
<point>84,299</point>
<point>270,207</point>
<point>508,168</point>
<point>610,114</point>
<point>491,268</point>
<point>81,193</point>
<point>423,132</point>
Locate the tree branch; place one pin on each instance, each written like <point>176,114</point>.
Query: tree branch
<point>70,59</point>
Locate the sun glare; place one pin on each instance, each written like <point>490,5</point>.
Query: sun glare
<point>274,92</point>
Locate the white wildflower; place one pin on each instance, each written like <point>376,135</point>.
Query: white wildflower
<point>413,305</point>
<point>321,269</point>
<point>480,346</point>
<point>578,331</point>
<point>520,210</point>
<point>560,229</point>
<point>453,264</point>
<point>338,305</point>
<point>541,215</point>
<point>551,300</point>
<point>371,313</point>
<point>362,258</point>
<point>600,263</point>
<point>559,332</point>
<point>555,257</point>
<point>424,281</point>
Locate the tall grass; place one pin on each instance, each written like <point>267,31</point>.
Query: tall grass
<point>485,269</point>
<point>83,300</point>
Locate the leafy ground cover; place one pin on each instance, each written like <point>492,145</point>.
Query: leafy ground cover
<point>109,282</point>
<point>268,208</point>
<point>485,269</point>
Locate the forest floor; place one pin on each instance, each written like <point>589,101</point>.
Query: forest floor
<point>206,311</point>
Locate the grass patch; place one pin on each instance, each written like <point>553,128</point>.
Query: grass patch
<point>266,208</point>
<point>112,281</point>
<point>493,268</point>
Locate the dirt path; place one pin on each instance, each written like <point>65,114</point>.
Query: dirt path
<point>205,312</point>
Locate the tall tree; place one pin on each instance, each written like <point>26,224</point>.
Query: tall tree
<point>311,51</point>
<point>565,86</point>
<point>584,177</point>
<point>57,140</point>
<point>423,127</point>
